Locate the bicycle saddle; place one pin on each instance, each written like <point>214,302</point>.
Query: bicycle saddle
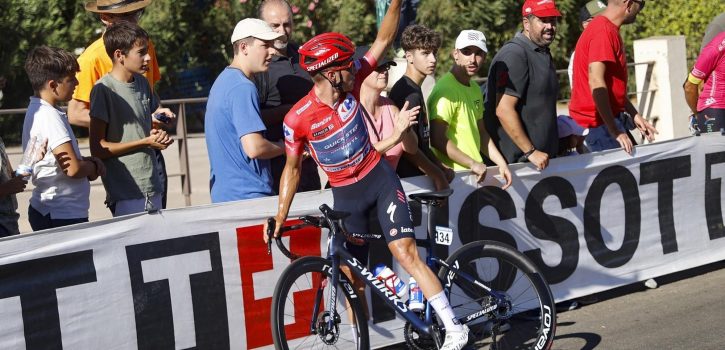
<point>431,196</point>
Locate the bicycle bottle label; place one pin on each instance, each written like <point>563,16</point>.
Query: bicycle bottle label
<point>444,235</point>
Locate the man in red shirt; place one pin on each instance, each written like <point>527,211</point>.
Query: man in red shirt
<point>599,95</point>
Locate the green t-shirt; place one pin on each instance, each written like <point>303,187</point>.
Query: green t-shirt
<point>461,107</point>
<point>127,108</point>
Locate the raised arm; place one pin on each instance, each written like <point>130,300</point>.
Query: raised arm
<point>386,34</point>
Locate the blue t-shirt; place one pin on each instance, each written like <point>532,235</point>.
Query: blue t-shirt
<point>232,111</point>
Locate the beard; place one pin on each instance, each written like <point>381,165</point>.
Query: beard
<point>280,45</point>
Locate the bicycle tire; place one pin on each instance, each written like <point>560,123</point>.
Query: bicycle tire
<point>296,285</point>
<point>531,320</point>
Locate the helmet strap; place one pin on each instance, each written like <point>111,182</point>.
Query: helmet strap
<point>337,86</point>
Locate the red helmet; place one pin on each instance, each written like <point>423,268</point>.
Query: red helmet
<point>325,51</point>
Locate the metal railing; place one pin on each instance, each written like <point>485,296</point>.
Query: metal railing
<point>182,136</point>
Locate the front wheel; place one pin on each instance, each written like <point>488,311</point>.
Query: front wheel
<point>523,318</point>
<point>296,324</point>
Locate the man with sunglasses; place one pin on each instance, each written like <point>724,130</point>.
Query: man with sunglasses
<point>94,63</point>
<point>522,90</point>
<point>599,97</point>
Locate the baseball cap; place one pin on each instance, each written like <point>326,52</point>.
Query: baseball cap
<point>360,52</point>
<point>470,37</point>
<point>567,126</point>
<point>591,9</point>
<point>255,28</point>
<point>540,8</point>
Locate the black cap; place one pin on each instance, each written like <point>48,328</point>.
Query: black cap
<point>360,51</point>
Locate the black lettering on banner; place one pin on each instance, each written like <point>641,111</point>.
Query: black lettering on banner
<point>35,282</point>
<point>469,227</point>
<point>153,299</point>
<point>713,197</point>
<point>553,228</point>
<point>606,257</point>
<point>664,172</point>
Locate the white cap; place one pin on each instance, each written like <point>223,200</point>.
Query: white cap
<point>471,38</point>
<point>567,126</point>
<point>255,28</point>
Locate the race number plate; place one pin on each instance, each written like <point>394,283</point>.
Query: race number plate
<point>444,235</point>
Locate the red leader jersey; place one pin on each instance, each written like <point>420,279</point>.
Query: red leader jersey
<point>336,137</point>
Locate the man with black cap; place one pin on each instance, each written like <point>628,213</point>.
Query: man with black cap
<point>522,90</point>
<point>586,14</point>
<point>238,152</point>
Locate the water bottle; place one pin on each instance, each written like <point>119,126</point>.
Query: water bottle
<point>30,157</point>
<point>415,302</point>
<point>391,280</point>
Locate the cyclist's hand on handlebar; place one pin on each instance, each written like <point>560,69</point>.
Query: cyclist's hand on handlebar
<point>277,226</point>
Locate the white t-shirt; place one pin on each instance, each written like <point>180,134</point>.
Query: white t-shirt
<point>55,192</point>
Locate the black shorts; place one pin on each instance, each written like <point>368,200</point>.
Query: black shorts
<point>711,119</point>
<point>379,190</point>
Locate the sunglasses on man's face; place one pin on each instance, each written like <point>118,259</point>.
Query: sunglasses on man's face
<point>384,68</point>
<point>640,2</point>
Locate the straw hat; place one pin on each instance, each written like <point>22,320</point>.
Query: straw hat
<point>116,6</point>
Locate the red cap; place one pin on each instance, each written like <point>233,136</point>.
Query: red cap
<point>540,8</point>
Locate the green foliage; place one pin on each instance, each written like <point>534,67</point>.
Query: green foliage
<point>675,17</point>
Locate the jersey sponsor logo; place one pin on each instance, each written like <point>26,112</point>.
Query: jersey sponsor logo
<point>406,229</point>
<point>323,63</point>
<point>320,123</point>
<point>347,107</point>
<point>289,133</point>
<point>324,131</point>
<point>393,232</point>
<point>304,107</point>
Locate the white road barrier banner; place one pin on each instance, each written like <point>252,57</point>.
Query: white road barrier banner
<point>201,278</point>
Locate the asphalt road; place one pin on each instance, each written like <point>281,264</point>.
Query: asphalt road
<point>686,311</point>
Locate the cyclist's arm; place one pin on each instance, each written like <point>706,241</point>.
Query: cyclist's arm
<point>386,34</point>
<point>692,92</point>
<point>288,187</point>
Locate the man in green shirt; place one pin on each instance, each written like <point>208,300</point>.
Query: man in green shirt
<point>455,107</point>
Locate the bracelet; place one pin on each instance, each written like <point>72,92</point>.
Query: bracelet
<point>530,152</point>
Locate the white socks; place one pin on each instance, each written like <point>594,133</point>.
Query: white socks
<point>440,304</point>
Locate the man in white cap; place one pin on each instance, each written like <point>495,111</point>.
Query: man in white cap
<point>239,154</point>
<point>522,90</point>
<point>455,107</point>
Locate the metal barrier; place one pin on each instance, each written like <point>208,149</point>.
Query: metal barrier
<point>182,135</point>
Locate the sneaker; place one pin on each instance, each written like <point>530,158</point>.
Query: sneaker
<point>456,340</point>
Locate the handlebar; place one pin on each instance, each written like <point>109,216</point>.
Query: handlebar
<point>308,220</point>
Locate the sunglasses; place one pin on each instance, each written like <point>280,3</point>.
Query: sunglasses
<point>641,3</point>
<point>384,68</point>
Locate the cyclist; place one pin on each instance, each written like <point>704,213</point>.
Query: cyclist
<point>709,70</point>
<point>329,121</point>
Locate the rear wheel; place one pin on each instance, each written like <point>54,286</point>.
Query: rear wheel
<point>304,284</point>
<point>524,318</point>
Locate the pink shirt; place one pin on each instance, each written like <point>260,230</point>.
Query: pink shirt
<point>383,128</point>
<point>710,67</point>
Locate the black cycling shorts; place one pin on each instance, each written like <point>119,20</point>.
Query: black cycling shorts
<point>379,189</point>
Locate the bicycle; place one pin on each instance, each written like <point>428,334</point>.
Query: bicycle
<point>493,288</point>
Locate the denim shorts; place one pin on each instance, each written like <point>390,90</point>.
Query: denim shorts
<point>599,138</point>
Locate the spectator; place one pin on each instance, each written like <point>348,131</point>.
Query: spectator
<point>571,136</point>
<point>421,47</point>
<point>456,112</point>
<point>239,154</point>
<point>586,14</point>
<point>599,97</point>
<point>388,129</point>
<point>522,90</point>
<point>9,186</point>
<point>61,177</point>
<point>281,87</point>
<point>709,70</point>
<point>121,134</point>
<point>95,63</point>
